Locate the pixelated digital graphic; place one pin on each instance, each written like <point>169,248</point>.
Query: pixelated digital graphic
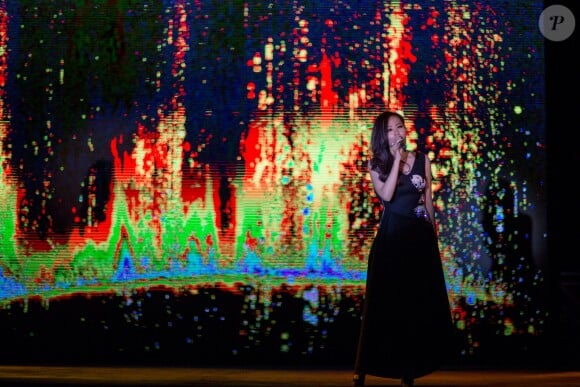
<point>199,168</point>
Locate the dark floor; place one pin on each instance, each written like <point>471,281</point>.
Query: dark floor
<point>254,377</point>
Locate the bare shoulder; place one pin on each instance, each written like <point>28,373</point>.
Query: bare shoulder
<point>417,156</point>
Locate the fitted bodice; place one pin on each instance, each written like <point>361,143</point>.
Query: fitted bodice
<point>410,187</point>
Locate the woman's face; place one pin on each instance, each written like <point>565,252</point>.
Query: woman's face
<point>396,132</point>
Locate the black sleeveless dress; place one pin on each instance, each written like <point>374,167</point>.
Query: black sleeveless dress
<point>406,325</point>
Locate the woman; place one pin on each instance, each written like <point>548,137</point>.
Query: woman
<point>406,322</point>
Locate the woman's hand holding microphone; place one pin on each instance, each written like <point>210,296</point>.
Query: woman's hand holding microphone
<point>398,147</point>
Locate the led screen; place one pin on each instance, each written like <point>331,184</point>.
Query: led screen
<point>190,177</point>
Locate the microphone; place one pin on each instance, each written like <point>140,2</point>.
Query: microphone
<point>400,142</point>
<point>403,144</point>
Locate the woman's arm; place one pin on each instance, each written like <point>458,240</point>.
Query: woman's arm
<point>429,192</point>
<point>386,189</point>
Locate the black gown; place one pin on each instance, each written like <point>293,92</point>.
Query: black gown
<point>406,327</point>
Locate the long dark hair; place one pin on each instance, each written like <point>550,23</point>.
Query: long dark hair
<point>382,159</point>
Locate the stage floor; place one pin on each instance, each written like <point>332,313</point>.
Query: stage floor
<point>254,377</point>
